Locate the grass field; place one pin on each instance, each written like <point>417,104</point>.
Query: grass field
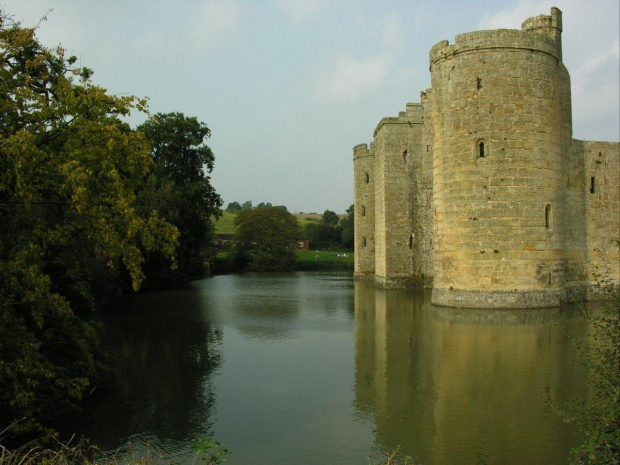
<point>325,256</point>
<point>306,260</point>
<point>225,224</point>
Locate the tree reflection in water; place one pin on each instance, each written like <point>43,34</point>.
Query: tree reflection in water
<point>165,352</point>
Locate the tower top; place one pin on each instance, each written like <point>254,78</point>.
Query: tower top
<point>549,25</point>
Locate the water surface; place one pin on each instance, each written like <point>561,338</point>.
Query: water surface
<point>307,368</point>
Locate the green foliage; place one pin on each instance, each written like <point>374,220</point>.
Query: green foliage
<point>210,451</point>
<point>69,170</point>
<point>324,234</point>
<point>330,217</point>
<point>233,207</point>
<point>264,239</point>
<point>598,417</point>
<point>207,451</point>
<point>180,190</point>
<point>347,228</point>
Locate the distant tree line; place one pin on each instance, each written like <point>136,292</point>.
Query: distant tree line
<point>329,232</point>
<point>89,208</point>
<point>247,205</point>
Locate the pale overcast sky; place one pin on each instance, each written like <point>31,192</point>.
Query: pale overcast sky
<point>288,87</point>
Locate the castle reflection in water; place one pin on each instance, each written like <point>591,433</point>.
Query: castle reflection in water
<point>451,386</point>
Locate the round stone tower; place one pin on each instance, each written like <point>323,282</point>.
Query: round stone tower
<point>364,214</point>
<point>501,123</point>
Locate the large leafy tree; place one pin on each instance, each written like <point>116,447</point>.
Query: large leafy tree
<point>265,239</point>
<point>347,227</point>
<point>330,217</point>
<point>180,188</point>
<point>69,168</point>
<point>325,233</point>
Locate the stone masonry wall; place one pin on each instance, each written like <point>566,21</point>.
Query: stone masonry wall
<point>393,264</point>
<point>601,189</point>
<point>364,212</point>
<point>497,171</point>
<point>480,190</point>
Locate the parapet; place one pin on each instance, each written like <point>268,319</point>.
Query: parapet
<point>544,22</point>
<point>413,114</point>
<point>548,25</point>
<point>472,42</point>
<point>361,150</point>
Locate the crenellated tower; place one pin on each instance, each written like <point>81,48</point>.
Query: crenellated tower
<point>480,189</point>
<point>498,165</point>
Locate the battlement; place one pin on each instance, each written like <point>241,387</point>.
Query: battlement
<point>548,25</point>
<point>499,39</point>
<point>361,150</point>
<point>413,114</point>
<point>544,23</point>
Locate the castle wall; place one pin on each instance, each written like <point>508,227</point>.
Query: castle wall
<point>421,192</point>
<point>364,211</point>
<point>480,190</point>
<point>498,165</point>
<point>601,190</point>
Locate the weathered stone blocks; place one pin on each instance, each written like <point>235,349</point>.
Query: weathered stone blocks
<point>480,190</point>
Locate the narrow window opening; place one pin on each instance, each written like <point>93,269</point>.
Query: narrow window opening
<point>367,178</point>
<point>363,241</point>
<point>478,83</point>
<point>481,153</point>
<point>427,148</point>
<point>411,241</point>
<point>363,211</point>
<point>547,216</point>
<point>592,185</point>
<point>405,156</point>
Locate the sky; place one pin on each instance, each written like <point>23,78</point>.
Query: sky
<point>289,87</point>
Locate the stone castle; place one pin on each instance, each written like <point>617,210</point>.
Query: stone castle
<point>480,191</point>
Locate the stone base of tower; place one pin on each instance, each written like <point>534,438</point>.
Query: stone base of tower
<point>499,298</point>
<point>402,282</point>
<point>364,276</point>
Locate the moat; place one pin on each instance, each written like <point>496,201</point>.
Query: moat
<point>309,368</point>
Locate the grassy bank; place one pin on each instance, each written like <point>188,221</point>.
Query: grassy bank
<point>225,224</point>
<point>324,260</point>
<point>307,260</point>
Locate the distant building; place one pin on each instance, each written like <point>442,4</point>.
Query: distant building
<point>302,245</point>
<point>480,190</point>
<point>220,239</point>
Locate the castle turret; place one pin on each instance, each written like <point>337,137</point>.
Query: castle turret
<point>500,138</point>
<point>549,25</point>
<point>364,212</point>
